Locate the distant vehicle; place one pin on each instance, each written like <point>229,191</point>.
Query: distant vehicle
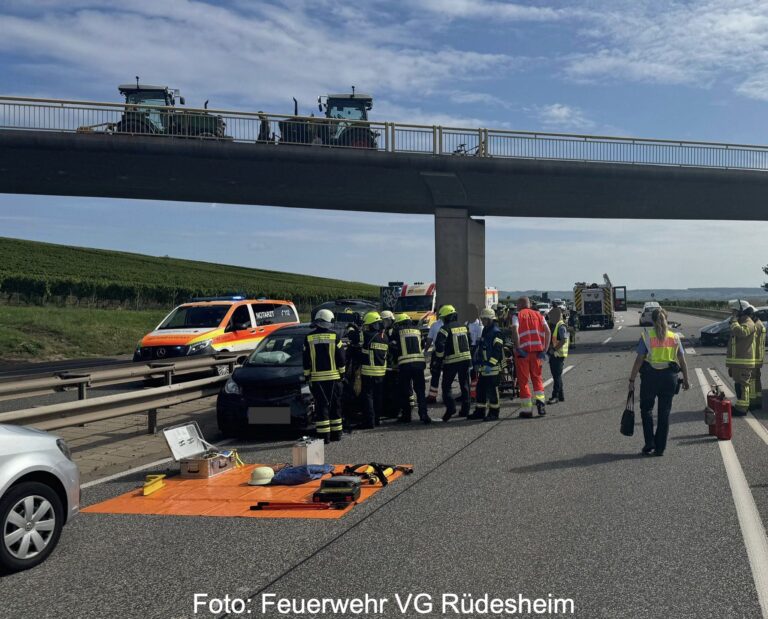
<point>349,126</point>
<point>346,310</point>
<point>150,110</point>
<point>268,392</point>
<point>543,308</point>
<point>646,314</point>
<point>595,303</point>
<point>39,494</point>
<point>215,324</point>
<point>717,333</point>
<point>491,297</point>
<point>418,301</point>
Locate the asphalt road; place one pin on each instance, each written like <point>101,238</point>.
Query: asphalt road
<point>561,506</point>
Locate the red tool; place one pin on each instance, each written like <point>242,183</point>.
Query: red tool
<point>721,407</point>
<point>269,505</point>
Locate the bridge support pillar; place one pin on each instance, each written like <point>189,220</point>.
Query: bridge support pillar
<point>460,261</point>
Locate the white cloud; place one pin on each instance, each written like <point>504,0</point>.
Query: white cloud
<point>562,117</point>
<point>488,9</point>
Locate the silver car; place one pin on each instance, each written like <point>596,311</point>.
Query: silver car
<point>39,494</point>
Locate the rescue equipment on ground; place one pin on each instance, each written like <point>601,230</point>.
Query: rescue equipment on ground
<point>308,451</point>
<point>295,475</point>
<point>301,505</point>
<point>197,458</point>
<point>152,484</point>
<point>375,472</point>
<point>718,415</point>
<point>338,489</point>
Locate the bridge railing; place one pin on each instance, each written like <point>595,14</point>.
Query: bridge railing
<point>123,121</point>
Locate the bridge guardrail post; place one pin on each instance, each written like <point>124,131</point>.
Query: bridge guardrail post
<point>434,140</point>
<point>440,140</point>
<point>152,421</point>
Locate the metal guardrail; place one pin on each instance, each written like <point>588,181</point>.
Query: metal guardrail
<point>122,121</point>
<point>67,414</point>
<point>84,380</point>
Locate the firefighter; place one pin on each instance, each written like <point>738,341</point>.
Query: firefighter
<point>323,360</point>
<point>660,358</point>
<point>531,335</point>
<point>390,399</point>
<point>373,362</point>
<point>490,359</point>
<point>408,355</point>
<point>756,383</point>
<point>454,360</point>
<point>353,381</point>
<point>573,326</point>
<point>740,358</point>
<point>558,351</point>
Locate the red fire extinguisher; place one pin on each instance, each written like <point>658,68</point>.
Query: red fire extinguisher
<point>718,415</point>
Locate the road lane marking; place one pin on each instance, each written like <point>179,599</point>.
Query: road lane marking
<point>754,423</point>
<point>605,341</point>
<point>136,469</point>
<point>721,383</point>
<point>752,528</point>
<point>620,328</point>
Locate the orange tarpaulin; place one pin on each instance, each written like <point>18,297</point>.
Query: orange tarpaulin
<point>227,494</point>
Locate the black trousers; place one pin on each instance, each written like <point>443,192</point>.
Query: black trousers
<point>556,368</point>
<point>452,371</point>
<point>372,395</point>
<point>488,394</point>
<point>412,375</point>
<point>656,385</point>
<point>327,394</point>
<point>434,379</point>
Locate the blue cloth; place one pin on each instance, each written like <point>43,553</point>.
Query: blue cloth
<point>562,333</point>
<point>295,475</point>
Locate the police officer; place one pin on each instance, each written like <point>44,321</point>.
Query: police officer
<point>373,368</point>
<point>408,356</point>
<point>323,360</point>
<point>453,356</point>
<point>558,352</point>
<point>490,358</point>
<point>740,358</point>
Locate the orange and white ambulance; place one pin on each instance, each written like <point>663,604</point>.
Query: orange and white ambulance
<point>215,324</point>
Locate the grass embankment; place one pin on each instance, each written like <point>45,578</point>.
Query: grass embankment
<point>51,333</point>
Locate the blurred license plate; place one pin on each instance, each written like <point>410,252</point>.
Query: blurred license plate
<point>258,415</point>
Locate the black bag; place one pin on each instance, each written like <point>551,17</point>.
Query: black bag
<point>628,416</point>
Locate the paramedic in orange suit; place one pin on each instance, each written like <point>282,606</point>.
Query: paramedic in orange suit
<point>531,336</point>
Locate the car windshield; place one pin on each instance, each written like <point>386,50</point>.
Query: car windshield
<point>417,303</point>
<point>195,317</point>
<point>278,349</point>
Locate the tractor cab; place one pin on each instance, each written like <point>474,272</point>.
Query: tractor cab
<point>347,107</point>
<point>143,94</point>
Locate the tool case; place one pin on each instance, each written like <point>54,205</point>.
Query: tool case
<point>338,489</point>
<point>197,458</point>
<point>308,451</point>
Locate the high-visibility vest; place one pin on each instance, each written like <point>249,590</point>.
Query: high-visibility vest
<point>662,351</point>
<point>454,345</point>
<point>759,342</point>
<point>530,330</point>
<point>323,349</point>
<point>409,346</point>
<point>375,349</point>
<point>741,345</point>
<point>563,350</point>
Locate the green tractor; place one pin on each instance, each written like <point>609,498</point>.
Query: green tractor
<point>348,127</point>
<point>148,111</point>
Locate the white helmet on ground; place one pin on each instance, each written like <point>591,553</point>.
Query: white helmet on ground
<point>262,475</point>
<point>324,318</point>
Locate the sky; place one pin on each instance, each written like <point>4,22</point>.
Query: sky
<point>646,68</point>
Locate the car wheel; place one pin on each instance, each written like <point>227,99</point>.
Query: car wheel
<point>31,515</point>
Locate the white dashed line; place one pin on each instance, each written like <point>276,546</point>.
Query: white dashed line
<point>721,383</point>
<point>752,529</point>
<point>567,369</point>
<point>620,328</point>
<point>605,341</point>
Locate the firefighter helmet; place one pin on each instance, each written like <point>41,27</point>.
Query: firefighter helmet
<point>324,318</point>
<point>371,317</point>
<point>262,475</point>
<point>387,315</point>
<point>446,310</point>
<point>402,318</point>
<point>487,312</point>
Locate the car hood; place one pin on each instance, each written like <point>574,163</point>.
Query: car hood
<point>274,375</point>
<point>179,337</point>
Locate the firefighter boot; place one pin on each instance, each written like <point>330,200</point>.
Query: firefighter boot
<point>541,408</point>
<point>478,414</point>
